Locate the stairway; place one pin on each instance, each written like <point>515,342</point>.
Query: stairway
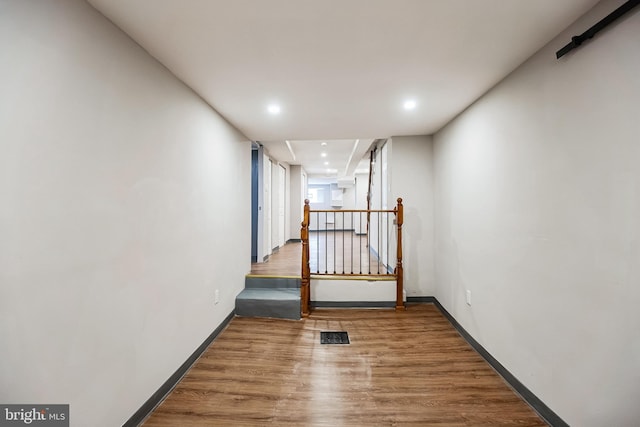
<point>265,296</point>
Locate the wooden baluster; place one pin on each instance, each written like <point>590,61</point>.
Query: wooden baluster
<point>305,283</point>
<point>399,270</point>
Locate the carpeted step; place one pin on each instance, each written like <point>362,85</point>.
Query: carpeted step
<point>261,282</point>
<point>281,303</point>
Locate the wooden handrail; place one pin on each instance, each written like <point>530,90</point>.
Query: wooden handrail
<point>305,282</point>
<point>355,210</point>
<point>399,270</point>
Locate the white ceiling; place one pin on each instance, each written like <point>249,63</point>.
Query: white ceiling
<point>341,69</point>
<point>329,158</point>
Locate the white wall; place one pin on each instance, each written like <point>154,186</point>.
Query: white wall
<point>361,188</point>
<point>378,198</point>
<point>337,200</point>
<point>124,204</point>
<point>537,213</point>
<point>339,290</point>
<point>411,178</point>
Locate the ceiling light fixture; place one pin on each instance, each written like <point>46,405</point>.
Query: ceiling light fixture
<point>326,163</point>
<point>323,154</point>
<point>410,104</point>
<point>273,109</point>
<point>324,144</point>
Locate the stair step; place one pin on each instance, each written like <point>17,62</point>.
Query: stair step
<point>281,303</point>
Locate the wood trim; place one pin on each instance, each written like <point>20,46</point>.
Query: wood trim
<point>527,395</point>
<point>156,398</point>
<point>362,277</point>
<point>331,230</point>
<point>399,271</point>
<point>353,304</point>
<point>305,271</point>
<point>416,300</point>
<point>352,210</point>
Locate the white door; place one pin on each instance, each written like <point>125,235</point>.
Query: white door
<point>267,205</point>
<point>304,195</point>
<point>282,189</point>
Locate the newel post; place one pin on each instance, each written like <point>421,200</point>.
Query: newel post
<point>305,282</point>
<point>399,270</point>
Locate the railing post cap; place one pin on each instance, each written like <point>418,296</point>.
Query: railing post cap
<point>400,200</point>
<point>306,201</point>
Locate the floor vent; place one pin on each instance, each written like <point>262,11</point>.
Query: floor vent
<point>334,338</point>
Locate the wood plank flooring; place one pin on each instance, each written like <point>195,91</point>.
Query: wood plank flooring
<point>341,252</point>
<point>286,262</point>
<point>334,252</point>
<point>402,368</point>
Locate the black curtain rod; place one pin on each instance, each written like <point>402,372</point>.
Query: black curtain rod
<point>578,40</point>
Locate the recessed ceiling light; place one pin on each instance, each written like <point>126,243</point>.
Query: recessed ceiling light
<point>323,154</point>
<point>324,144</point>
<point>273,109</point>
<point>326,163</point>
<point>410,104</point>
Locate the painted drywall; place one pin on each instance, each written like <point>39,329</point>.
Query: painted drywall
<point>538,215</point>
<point>339,290</point>
<point>335,199</point>
<point>411,178</point>
<point>381,235</point>
<point>361,188</point>
<point>362,182</point>
<point>124,205</point>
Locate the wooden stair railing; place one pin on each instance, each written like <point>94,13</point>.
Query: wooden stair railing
<point>305,282</point>
<point>398,272</point>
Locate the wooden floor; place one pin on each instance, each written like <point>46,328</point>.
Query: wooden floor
<point>329,252</point>
<point>342,252</point>
<point>401,368</point>
<point>286,262</point>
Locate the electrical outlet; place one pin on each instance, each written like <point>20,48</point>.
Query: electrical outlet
<point>468,297</point>
<point>216,298</point>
